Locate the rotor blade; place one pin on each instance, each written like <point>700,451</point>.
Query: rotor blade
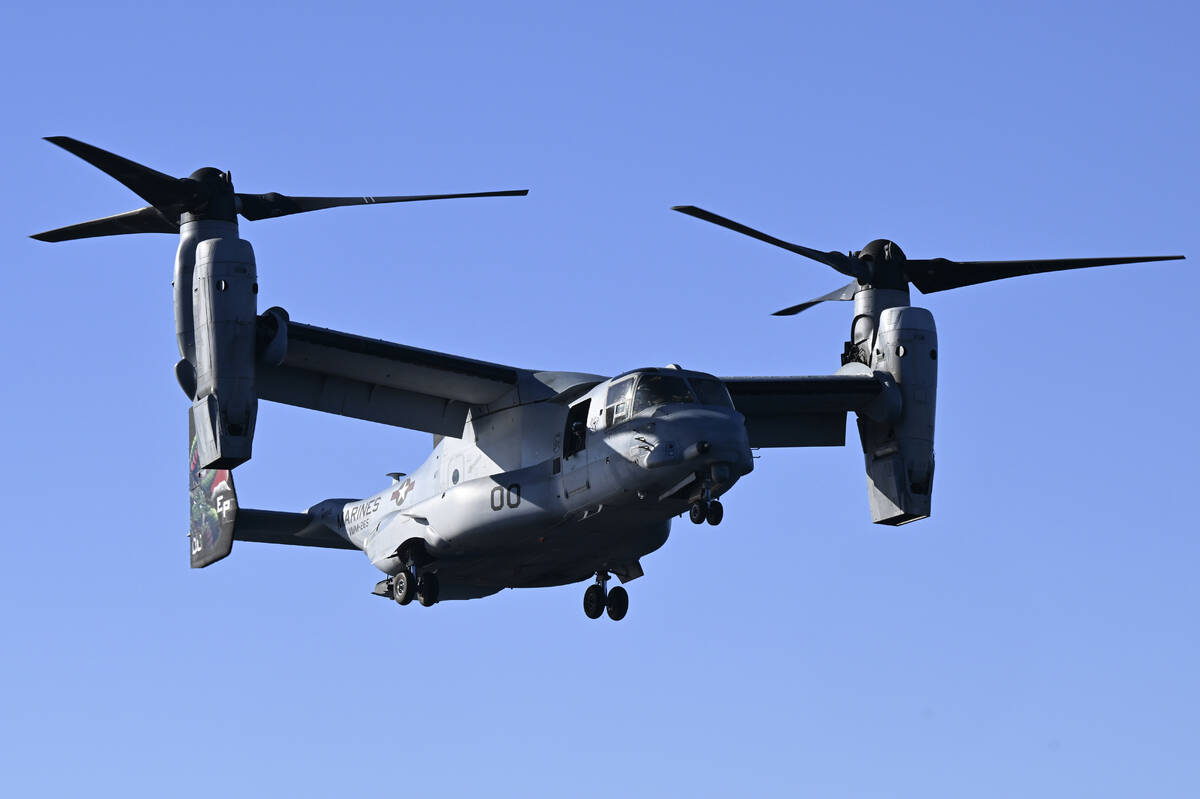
<point>265,206</point>
<point>152,186</point>
<point>837,260</point>
<point>143,220</point>
<point>939,274</point>
<point>846,292</point>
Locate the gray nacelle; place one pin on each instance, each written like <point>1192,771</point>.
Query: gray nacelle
<point>220,371</point>
<point>898,438</point>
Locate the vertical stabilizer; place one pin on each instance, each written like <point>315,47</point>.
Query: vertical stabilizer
<point>214,507</point>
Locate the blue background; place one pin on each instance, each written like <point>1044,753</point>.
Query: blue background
<point>1036,637</point>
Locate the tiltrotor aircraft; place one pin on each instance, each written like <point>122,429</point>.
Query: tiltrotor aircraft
<point>536,478</point>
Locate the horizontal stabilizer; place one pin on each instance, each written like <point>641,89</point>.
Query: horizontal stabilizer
<point>281,527</point>
<point>217,521</point>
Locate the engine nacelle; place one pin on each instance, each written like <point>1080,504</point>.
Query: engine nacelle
<point>224,311</point>
<point>899,452</point>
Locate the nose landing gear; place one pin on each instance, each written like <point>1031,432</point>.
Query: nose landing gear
<point>593,601</point>
<point>597,599</point>
<point>712,512</point>
<point>704,507</point>
<point>617,603</point>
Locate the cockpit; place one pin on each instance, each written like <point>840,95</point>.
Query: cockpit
<point>631,394</point>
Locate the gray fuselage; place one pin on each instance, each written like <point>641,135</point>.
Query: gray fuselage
<point>550,492</point>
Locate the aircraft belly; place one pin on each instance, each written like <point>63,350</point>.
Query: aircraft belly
<point>521,528</point>
<point>554,550</point>
<point>569,557</point>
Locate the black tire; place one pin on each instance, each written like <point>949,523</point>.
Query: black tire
<point>715,513</point>
<point>403,588</point>
<point>618,603</point>
<point>697,513</point>
<point>593,602</point>
<point>427,590</point>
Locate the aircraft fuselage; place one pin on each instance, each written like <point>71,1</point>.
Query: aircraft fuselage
<point>552,492</point>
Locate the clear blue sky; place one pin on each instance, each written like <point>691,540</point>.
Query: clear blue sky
<point>1036,637</point>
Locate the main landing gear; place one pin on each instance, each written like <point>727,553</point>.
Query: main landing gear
<point>405,587</point>
<point>597,599</point>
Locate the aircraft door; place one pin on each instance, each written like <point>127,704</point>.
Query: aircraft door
<point>575,455</point>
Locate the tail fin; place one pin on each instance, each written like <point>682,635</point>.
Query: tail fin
<point>214,507</point>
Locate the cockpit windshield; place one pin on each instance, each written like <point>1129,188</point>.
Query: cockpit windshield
<point>655,390</point>
<point>711,391</point>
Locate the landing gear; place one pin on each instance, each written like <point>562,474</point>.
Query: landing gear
<point>617,603</point>
<point>712,512</point>
<point>597,599</point>
<point>403,587</point>
<point>593,601</point>
<point>427,589</point>
<point>704,506</point>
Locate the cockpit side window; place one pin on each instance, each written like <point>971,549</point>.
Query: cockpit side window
<point>617,404</point>
<point>655,390</point>
<point>711,391</point>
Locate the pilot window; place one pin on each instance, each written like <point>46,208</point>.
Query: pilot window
<point>617,404</point>
<point>655,390</point>
<point>711,391</point>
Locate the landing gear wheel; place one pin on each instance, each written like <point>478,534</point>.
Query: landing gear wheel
<point>403,588</point>
<point>427,590</point>
<point>593,601</point>
<point>618,603</point>
<point>697,513</point>
<point>715,513</point>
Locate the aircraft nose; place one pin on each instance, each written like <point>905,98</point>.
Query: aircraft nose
<point>702,436</point>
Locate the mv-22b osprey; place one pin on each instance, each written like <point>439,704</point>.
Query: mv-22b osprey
<point>536,478</point>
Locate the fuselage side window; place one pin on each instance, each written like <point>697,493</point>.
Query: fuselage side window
<point>617,404</point>
<point>655,390</point>
<point>575,435</point>
<point>711,391</point>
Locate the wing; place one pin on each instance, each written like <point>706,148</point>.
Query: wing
<point>801,411</point>
<point>366,378</point>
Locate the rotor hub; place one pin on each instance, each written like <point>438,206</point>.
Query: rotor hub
<point>884,261</point>
<point>212,196</point>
